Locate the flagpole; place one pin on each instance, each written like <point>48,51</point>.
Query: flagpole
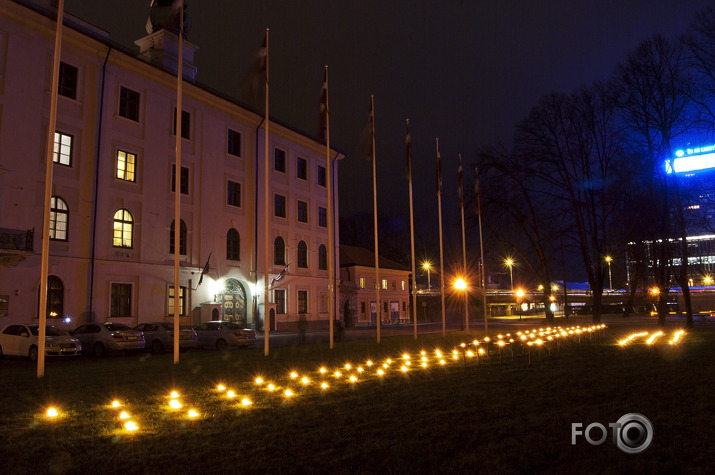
<point>412,228</point>
<point>177,185</point>
<point>441,247</point>
<point>266,230</point>
<point>49,162</point>
<point>481,249</point>
<point>374,205</point>
<point>464,246</point>
<point>331,244</point>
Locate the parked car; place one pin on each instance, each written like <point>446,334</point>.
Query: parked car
<point>22,340</point>
<point>159,336</point>
<point>108,337</point>
<point>222,334</point>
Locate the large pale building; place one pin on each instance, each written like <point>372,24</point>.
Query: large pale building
<point>111,250</point>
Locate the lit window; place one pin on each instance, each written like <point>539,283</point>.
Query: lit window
<point>126,165</point>
<point>59,219</point>
<point>123,228</point>
<point>63,149</point>
<point>384,284</point>
<point>182,301</point>
<point>362,282</point>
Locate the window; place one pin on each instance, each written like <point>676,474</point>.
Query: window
<point>67,85</point>
<point>182,301</point>
<point>233,245</point>
<point>63,149</point>
<point>234,143</point>
<point>59,219</point>
<point>123,228</point>
<point>182,238</point>
<point>302,254</point>
<point>129,104</point>
<point>403,285</point>
<point>322,217</point>
<point>302,301</point>
<point>126,165</point>
<point>184,179</point>
<point>279,206</point>
<point>233,193</point>
<point>185,124</point>
<point>301,168</point>
<point>322,257</point>
<point>121,300</point>
<point>302,211</point>
<point>384,284</point>
<point>279,252</point>
<point>362,282</point>
<point>55,297</point>
<point>279,160</point>
<point>279,296</point>
<point>321,175</point>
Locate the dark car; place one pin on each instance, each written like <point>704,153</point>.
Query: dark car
<point>222,334</point>
<point>108,337</point>
<point>159,336</point>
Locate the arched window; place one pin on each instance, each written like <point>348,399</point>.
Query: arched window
<point>322,257</point>
<point>302,254</point>
<point>59,219</point>
<point>233,245</point>
<point>182,238</point>
<point>123,228</point>
<point>279,252</point>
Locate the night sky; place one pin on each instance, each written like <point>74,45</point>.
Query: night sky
<point>465,71</point>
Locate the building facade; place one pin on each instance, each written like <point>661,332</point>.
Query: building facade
<point>111,249</point>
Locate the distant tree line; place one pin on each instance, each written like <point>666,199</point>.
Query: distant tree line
<point>585,174</point>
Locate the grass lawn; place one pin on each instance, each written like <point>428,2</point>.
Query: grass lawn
<point>483,416</point>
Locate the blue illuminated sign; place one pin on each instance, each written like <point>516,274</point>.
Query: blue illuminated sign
<point>691,159</point>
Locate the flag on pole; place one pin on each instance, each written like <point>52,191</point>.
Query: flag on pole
<point>459,183</point>
<point>367,137</point>
<point>205,270</point>
<point>439,171</point>
<point>323,126</point>
<point>408,151</point>
<point>280,276</point>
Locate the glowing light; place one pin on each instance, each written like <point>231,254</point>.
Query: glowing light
<point>404,369</point>
<point>52,412</point>
<point>323,370</point>
<point>481,351</point>
<point>469,353</point>
<point>231,394</point>
<point>338,374</point>
<point>459,284</point>
<point>288,393</point>
<point>388,361</point>
<point>246,402</point>
<point>221,387</point>
<point>116,403</point>
<point>271,387</point>
<point>653,337</point>
<point>174,404</point>
<point>124,415</point>
<point>347,366</point>
<point>486,339</point>
<point>380,372</point>
<point>424,365</point>
<point>676,337</point>
<point>324,385</point>
<point>294,375</point>
<point>193,413</point>
<point>406,357</point>
<point>305,381</point>
<point>360,370</point>
<point>259,380</point>
<point>130,426</point>
<point>353,378</point>
<point>369,362</point>
<point>442,362</point>
<point>174,394</point>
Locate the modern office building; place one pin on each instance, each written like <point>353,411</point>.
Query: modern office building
<point>111,248</point>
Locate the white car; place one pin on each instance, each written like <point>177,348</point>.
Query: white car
<point>22,340</point>
<point>222,334</point>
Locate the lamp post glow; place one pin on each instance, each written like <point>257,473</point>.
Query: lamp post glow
<point>510,264</point>
<point>426,266</point>
<point>519,297</point>
<point>461,285</point>
<point>610,282</point>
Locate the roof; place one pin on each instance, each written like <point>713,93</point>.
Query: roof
<point>359,256</point>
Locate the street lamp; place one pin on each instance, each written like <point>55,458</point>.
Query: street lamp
<point>519,297</point>
<point>510,263</point>
<point>461,285</point>
<point>708,280</point>
<point>610,282</point>
<point>426,266</point>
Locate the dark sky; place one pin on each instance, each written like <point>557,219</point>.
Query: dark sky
<point>462,70</point>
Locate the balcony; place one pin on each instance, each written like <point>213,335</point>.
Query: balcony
<point>15,245</point>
